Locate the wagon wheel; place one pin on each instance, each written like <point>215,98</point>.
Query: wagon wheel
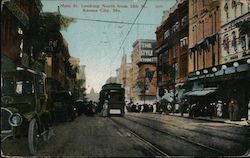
<point>33,137</point>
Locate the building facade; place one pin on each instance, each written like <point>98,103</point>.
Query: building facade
<point>218,51</point>
<point>16,18</point>
<point>235,53</point>
<point>143,86</point>
<point>172,50</point>
<point>123,76</point>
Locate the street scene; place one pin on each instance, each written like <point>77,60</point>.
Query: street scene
<point>125,78</point>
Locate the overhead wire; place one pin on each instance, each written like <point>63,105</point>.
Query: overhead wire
<point>131,28</point>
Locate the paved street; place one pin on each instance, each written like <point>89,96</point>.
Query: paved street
<point>156,135</point>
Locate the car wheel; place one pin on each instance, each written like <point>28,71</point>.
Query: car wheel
<point>33,137</point>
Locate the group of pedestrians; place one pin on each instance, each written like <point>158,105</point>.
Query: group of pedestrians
<point>218,109</point>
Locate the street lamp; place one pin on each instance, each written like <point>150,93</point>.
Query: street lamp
<point>248,61</point>
<point>224,67</point>
<point>214,69</point>
<point>235,64</point>
<point>205,71</point>
<point>197,73</point>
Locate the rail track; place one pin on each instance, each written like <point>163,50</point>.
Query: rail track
<point>200,131</point>
<point>155,150</point>
<point>180,139</point>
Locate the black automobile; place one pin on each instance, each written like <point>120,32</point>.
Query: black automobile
<point>79,106</point>
<point>63,106</point>
<point>89,108</point>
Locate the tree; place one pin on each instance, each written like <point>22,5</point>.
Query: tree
<point>46,27</point>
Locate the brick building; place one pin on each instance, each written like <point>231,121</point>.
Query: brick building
<point>16,18</point>
<point>172,49</point>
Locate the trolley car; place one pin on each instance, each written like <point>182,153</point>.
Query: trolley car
<point>113,95</point>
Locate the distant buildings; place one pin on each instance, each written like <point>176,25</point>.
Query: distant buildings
<point>92,95</point>
<point>123,76</point>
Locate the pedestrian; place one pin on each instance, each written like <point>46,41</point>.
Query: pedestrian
<point>182,107</point>
<point>219,107</point>
<point>105,109</point>
<point>232,109</point>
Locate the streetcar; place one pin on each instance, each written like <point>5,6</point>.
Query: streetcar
<point>112,99</point>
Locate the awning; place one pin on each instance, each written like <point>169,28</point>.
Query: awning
<point>201,92</point>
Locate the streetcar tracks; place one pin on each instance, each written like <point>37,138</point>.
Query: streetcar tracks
<point>199,131</point>
<point>155,149</point>
<point>204,148</point>
<point>179,137</point>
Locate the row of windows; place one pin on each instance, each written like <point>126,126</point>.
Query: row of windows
<point>176,27</point>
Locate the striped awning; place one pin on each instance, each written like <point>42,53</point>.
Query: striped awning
<point>201,92</point>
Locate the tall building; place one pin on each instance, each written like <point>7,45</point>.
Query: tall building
<point>124,76</point>
<point>235,52</point>
<point>143,85</point>
<point>172,50</point>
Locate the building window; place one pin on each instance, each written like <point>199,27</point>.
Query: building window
<point>234,40</point>
<point>241,8</point>
<point>226,10</point>
<point>166,34</point>
<point>203,29</point>
<point>243,42</point>
<point>226,43</point>
<point>203,3</point>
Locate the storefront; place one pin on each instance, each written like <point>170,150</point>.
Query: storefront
<point>231,80</point>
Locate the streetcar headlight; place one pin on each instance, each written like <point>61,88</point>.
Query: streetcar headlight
<point>15,120</point>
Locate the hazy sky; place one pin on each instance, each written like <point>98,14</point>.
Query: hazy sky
<point>97,44</point>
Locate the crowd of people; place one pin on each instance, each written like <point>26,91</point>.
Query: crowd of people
<point>203,107</point>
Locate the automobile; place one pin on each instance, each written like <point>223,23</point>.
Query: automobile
<point>89,108</point>
<point>62,106</point>
<point>24,109</point>
<point>79,106</point>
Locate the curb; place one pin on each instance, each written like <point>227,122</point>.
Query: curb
<point>211,120</point>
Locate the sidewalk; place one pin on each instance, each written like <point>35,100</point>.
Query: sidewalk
<point>243,122</point>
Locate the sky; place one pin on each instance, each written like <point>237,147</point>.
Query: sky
<point>98,45</point>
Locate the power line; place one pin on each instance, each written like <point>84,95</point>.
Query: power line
<point>132,25</point>
<point>131,28</point>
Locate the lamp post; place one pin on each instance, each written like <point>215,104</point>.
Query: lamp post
<point>235,64</point>
<point>224,67</point>
<point>214,69</point>
<point>248,61</point>
<point>205,71</point>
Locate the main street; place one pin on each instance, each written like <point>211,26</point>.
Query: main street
<point>138,135</point>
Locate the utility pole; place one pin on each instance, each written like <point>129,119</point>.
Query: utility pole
<point>144,87</point>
